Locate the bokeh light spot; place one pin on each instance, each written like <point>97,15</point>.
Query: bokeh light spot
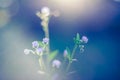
<point>4,18</point>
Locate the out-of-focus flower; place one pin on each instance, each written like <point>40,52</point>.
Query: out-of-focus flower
<point>38,14</point>
<point>56,63</point>
<point>84,39</point>
<point>45,11</point>
<point>35,44</point>
<point>26,51</point>
<point>81,46</point>
<point>65,53</point>
<point>45,40</point>
<point>81,50</point>
<point>39,50</point>
<point>44,14</point>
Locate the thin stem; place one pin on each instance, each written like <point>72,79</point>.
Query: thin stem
<point>70,61</point>
<point>40,63</point>
<point>73,52</point>
<point>47,36</point>
<point>68,66</point>
<point>46,31</point>
<point>44,67</point>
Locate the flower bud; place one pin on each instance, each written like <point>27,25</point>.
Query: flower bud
<point>56,63</point>
<point>45,11</point>
<point>35,44</point>
<point>84,39</point>
<point>45,40</point>
<point>65,53</point>
<point>39,50</point>
<point>26,51</point>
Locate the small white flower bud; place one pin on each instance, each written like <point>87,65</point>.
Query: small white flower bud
<point>65,53</point>
<point>26,51</point>
<point>45,11</point>
<point>56,63</point>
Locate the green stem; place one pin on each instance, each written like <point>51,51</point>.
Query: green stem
<point>46,31</point>
<point>40,63</point>
<point>73,52</point>
<point>68,66</point>
<point>70,61</point>
<point>47,36</point>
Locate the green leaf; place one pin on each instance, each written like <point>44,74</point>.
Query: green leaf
<point>77,39</point>
<point>41,44</point>
<point>69,53</point>
<point>77,36</point>
<point>52,55</point>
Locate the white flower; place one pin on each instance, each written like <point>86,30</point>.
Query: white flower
<point>26,51</point>
<point>45,11</point>
<point>56,63</point>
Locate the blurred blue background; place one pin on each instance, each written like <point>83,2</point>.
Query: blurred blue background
<point>99,20</point>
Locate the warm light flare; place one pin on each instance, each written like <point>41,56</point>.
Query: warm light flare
<point>4,18</point>
<point>71,8</point>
